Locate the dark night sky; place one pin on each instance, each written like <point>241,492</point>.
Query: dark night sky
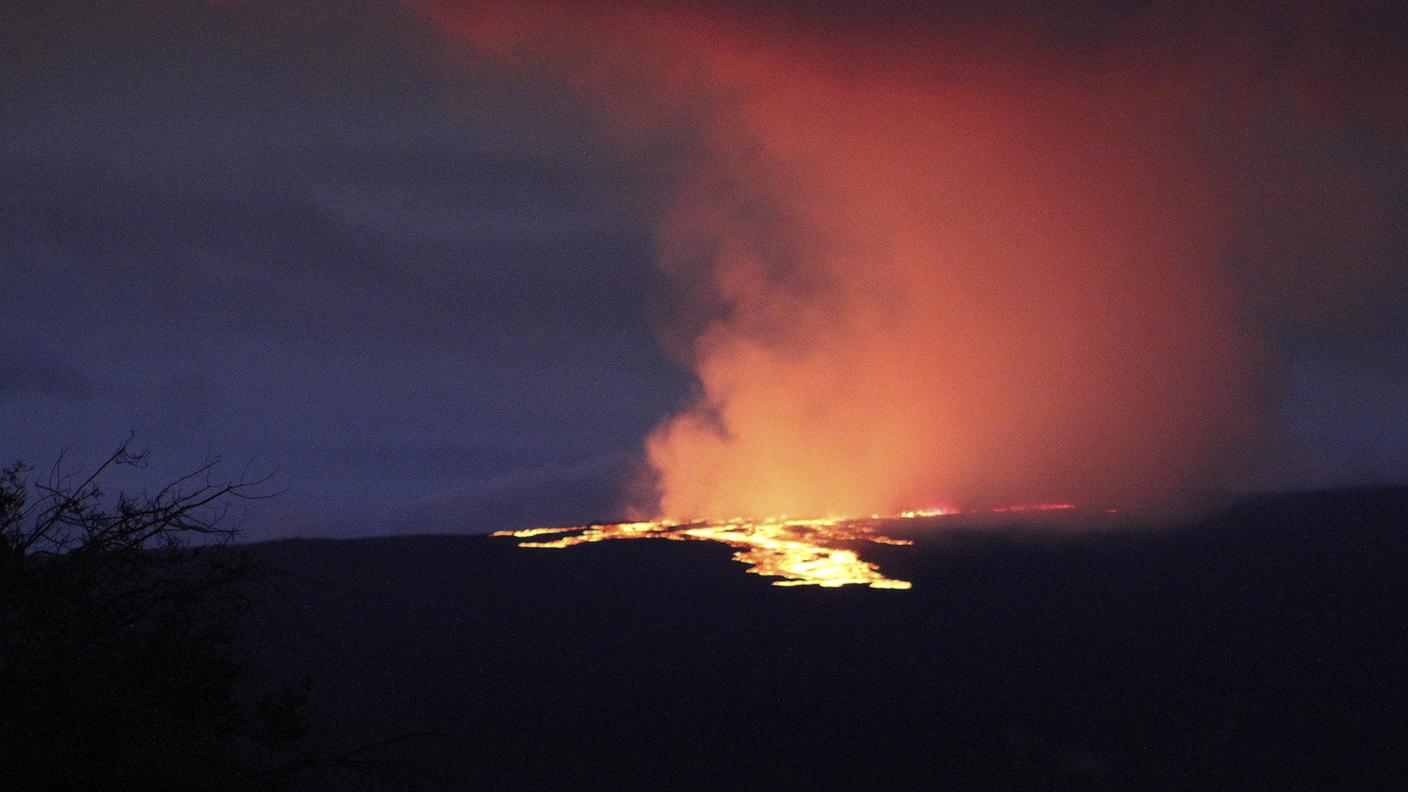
<point>307,235</point>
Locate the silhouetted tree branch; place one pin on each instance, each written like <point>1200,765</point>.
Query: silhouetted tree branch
<point>120,633</point>
<point>119,628</point>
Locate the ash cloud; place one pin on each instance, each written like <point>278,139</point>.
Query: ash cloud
<point>994,254</point>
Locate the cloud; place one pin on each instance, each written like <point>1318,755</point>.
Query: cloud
<point>552,495</point>
<point>26,375</point>
<point>295,233</point>
<point>986,253</point>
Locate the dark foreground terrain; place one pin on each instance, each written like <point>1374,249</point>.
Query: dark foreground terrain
<point>1263,648</point>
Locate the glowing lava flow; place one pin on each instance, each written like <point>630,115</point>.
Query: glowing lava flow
<point>818,552</point>
<point>799,552</point>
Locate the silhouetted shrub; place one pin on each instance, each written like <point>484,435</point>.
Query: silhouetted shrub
<point>119,629</point>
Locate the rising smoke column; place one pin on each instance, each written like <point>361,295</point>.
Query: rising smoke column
<point>930,259</point>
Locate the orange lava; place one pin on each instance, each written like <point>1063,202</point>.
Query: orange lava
<point>811,552</point>
<point>819,552</point>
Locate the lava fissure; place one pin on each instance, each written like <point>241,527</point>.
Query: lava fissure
<point>819,552</point>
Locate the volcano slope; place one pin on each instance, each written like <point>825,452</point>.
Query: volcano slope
<point>1263,647</point>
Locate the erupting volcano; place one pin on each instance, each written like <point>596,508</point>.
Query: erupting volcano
<point>933,259</point>
<point>704,395</point>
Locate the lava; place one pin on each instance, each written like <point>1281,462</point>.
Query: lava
<point>813,552</point>
<point>799,552</point>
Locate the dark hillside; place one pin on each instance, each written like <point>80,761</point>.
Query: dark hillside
<point>1264,648</point>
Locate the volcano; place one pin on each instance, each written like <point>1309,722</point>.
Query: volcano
<point>1259,648</point>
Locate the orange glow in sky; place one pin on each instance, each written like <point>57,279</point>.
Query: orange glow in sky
<point>920,266</point>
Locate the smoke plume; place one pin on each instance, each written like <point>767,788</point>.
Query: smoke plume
<point>948,257</point>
